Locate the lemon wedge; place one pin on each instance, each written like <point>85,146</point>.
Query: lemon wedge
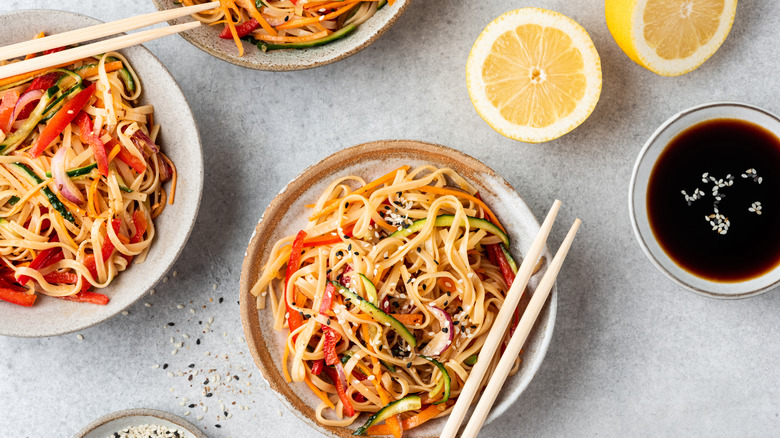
<point>670,37</point>
<point>533,75</point>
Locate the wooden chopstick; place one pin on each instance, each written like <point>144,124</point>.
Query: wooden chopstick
<point>519,337</point>
<point>93,49</point>
<point>496,334</point>
<point>99,31</point>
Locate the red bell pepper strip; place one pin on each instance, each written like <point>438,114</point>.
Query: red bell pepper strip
<point>41,260</point>
<point>329,240</point>
<point>64,116</point>
<point>43,82</point>
<point>327,298</point>
<point>106,251</point>
<point>131,160</point>
<point>341,390</point>
<point>317,366</point>
<point>7,110</point>
<point>17,297</point>
<point>87,136</point>
<point>331,339</point>
<point>87,297</point>
<point>139,220</point>
<point>242,29</point>
<point>294,319</point>
<point>61,277</point>
<point>496,256</point>
<point>55,50</point>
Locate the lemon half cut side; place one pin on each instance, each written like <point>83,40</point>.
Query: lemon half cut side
<point>670,37</point>
<point>533,75</point>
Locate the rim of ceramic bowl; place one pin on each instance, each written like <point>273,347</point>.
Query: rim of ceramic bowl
<point>632,206</point>
<point>275,212</point>
<point>196,180</point>
<point>400,8</point>
<point>140,412</point>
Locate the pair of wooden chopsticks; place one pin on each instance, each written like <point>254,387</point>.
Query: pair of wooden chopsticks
<point>93,33</point>
<point>471,388</point>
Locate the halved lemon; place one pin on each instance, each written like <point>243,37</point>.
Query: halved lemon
<point>533,75</point>
<point>670,37</point>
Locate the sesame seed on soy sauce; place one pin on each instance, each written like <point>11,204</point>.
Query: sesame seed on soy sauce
<point>713,200</point>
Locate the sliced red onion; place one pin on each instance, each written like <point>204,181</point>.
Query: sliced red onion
<point>342,375</point>
<point>165,169</point>
<point>61,179</point>
<point>442,341</point>
<point>140,139</point>
<point>345,280</point>
<point>25,99</point>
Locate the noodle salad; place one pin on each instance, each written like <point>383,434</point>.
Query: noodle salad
<point>388,294</point>
<point>80,179</point>
<point>287,24</point>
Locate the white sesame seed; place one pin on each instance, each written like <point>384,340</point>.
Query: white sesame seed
<point>187,413</point>
<point>80,337</point>
<point>125,312</point>
<point>165,279</point>
<point>211,320</point>
<point>199,417</point>
<point>148,304</point>
<point>155,366</point>
<point>214,286</point>
<point>179,306</point>
<point>205,408</point>
<point>192,311</point>
<point>174,352</point>
<point>170,374</point>
<point>180,344</point>
<point>172,340</point>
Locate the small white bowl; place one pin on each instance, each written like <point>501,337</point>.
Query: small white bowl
<point>106,425</point>
<point>637,198</point>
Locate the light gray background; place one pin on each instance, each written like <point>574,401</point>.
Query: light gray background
<point>632,354</point>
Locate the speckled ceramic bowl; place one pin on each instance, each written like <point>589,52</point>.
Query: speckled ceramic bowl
<point>180,141</point>
<point>206,39</point>
<point>106,425</point>
<point>287,214</point>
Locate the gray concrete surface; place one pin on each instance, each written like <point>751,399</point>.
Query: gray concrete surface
<point>632,354</point>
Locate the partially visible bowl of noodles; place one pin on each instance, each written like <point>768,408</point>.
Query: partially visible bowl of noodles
<point>267,332</point>
<point>121,282</point>
<point>352,30</point>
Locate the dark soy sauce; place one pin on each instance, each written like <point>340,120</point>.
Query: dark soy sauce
<point>743,160</point>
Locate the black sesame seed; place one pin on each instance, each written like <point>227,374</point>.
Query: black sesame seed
<point>329,271</point>
<point>449,294</point>
<point>445,329</point>
<point>191,405</point>
<point>462,328</point>
<point>200,322</point>
<point>328,321</point>
<point>208,394</point>
<point>346,237</point>
<point>425,287</point>
<point>395,304</point>
<point>419,249</point>
<point>456,323</point>
<point>410,280</point>
<point>235,377</point>
<point>346,205</point>
<point>387,207</point>
<point>206,382</point>
<point>198,341</point>
<point>349,247</point>
<point>221,299</point>
<point>357,253</point>
<point>408,365</point>
<point>170,324</point>
<point>437,263</point>
<point>225,413</point>
<point>217,425</point>
<point>398,193</point>
<point>446,303</point>
<point>286,18</point>
<point>165,365</point>
<point>460,309</point>
<point>192,365</point>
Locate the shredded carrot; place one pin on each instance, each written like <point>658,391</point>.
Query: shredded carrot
<point>322,396</point>
<point>93,71</point>
<point>232,26</point>
<point>425,415</point>
<point>446,284</point>
<point>284,363</point>
<point>311,20</point>
<point>292,39</point>
<point>443,191</point>
<point>92,207</point>
<point>332,205</point>
<point>250,6</point>
<point>403,318</point>
<point>123,239</point>
<point>114,152</point>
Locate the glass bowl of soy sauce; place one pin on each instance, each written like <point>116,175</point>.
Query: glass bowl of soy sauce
<point>704,199</point>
